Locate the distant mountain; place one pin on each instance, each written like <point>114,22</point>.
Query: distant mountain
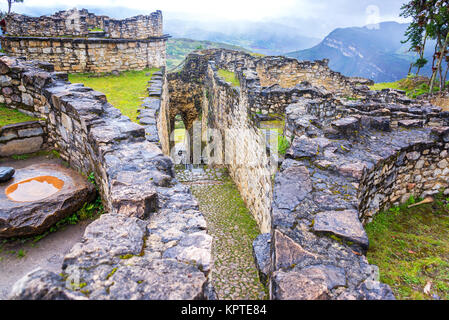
<point>377,54</point>
<point>178,49</point>
<point>262,37</point>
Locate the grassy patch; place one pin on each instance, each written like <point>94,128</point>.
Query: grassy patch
<point>11,116</point>
<point>179,48</point>
<point>42,153</point>
<point>411,248</point>
<point>412,85</point>
<point>125,91</point>
<point>229,76</point>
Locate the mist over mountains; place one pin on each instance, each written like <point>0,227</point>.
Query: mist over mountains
<point>377,54</point>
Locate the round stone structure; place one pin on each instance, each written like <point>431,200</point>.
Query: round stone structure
<point>39,196</point>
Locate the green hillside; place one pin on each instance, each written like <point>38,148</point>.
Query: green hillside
<point>377,54</point>
<point>179,48</point>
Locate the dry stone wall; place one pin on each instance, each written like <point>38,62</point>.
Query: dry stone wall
<point>76,22</point>
<point>353,152</point>
<point>241,146</point>
<point>65,41</point>
<point>153,242</point>
<point>22,138</point>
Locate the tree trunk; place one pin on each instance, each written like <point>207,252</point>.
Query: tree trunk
<point>445,76</point>
<point>433,62</point>
<point>410,69</point>
<point>9,6</point>
<point>421,55</point>
<point>442,54</point>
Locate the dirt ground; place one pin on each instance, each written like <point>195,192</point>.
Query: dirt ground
<point>19,257</point>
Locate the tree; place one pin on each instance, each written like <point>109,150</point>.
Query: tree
<point>430,20</point>
<point>10,2</point>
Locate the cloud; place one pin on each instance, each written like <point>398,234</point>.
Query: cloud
<point>315,17</point>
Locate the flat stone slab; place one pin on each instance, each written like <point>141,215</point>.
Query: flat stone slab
<point>35,217</point>
<point>344,224</point>
<point>261,253</point>
<point>6,173</point>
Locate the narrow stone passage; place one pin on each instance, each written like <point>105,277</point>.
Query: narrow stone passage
<point>234,274</point>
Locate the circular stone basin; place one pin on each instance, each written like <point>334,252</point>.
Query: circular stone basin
<point>40,195</point>
<point>34,189</point>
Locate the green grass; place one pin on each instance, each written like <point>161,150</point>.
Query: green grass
<point>413,86</point>
<point>229,76</point>
<point>179,48</point>
<point>411,248</point>
<point>125,91</point>
<point>11,116</point>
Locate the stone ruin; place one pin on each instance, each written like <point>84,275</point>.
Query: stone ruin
<point>79,41</point>
<point>353,153</point>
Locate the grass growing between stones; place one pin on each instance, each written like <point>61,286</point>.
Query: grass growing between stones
<point>412,85</point>
<point>125,91</point>
<point>234,229</point>
<point>411,248</point>
<point>11,116</point>
<point>229,76</point>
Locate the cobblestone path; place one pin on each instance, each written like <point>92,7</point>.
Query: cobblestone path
<point>233,228</point>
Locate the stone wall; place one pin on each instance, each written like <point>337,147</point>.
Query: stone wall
<point>348,161</point>
<point>153,235</point>
<point>286,72</point>
<point>353,152</point>
<point>89,55</point>
<point>22,138</point>
<point>131,44</point>
<point>244,145</point>
<point>198,92</point>
<point>79,23</point>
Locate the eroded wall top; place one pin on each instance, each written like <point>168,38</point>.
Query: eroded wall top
<point>80,23</point>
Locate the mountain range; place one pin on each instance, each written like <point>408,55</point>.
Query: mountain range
<point>374,53</point>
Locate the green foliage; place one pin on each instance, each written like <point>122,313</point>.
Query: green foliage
<point>11,116</point>
<point>96,30</point>
<point>411,248</point>
<point>229,76</point>
<point>125,91</point>
<point>179,48</point>
<point>283,144</point>
<point>51,154</point>
<point>21,253</point>
<point>412,85</point>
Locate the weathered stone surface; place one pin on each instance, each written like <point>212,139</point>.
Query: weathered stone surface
<point>29,218</point>
<point>6,174</point>
<point>303,147</point>
<point>346,125</point>
<point>115,262</point>
<point>43,285</point>
<point>291,187</point>
<point>344,224</point>
<point>410,123</point>
<point>288,253</point>
<point>193,249</point>
<point>62,39</point>
<point>21,146</point>
<point>303,285</point>
<point>261,253</point>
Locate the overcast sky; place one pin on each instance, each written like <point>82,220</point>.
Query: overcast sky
<point>318,16</point>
